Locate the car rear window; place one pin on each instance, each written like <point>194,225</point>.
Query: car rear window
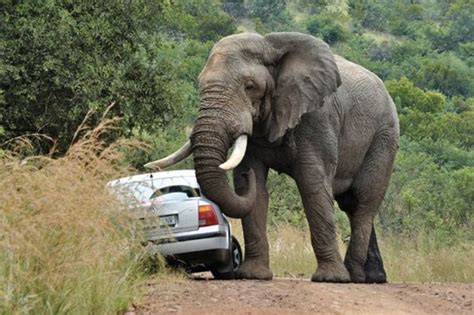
<point>144,190</point>
<point>189,191</point>
<point>135,191</point>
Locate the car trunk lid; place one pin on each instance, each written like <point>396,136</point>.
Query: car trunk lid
<point>171,214</point>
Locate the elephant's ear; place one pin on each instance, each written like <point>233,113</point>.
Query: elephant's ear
<point>305,74</point>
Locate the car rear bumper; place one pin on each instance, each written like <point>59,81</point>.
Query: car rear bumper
<point>207,257</point>
<point>206,245</point>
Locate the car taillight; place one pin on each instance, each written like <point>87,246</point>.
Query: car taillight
<point>207,215</point>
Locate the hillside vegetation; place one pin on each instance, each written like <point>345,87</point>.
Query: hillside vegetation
<point>61,61</point>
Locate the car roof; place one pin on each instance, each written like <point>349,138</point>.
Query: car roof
<point>178,177</point>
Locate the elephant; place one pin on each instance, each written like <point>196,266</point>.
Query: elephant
<point>289,104</point>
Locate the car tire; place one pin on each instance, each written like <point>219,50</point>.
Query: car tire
<point>235,260</point>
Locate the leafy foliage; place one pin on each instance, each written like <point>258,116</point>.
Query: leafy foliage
<point>407,95</point>
<point>272,14</point>
<point>426,196</point>
<point>285,203</point>
<point>446,73</point>
<point>60,60</point>
<point>331,24</point>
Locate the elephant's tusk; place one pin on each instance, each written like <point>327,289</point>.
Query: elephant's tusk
<point>237,155</point>
<point>172,159</point>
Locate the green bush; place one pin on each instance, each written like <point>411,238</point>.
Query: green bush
<point>424,196</point>
<point>285,201</point>
<point>327,28</point>
<point>456,26</point>
<point>407,95</point>
<point>443,152</point>
<point>272,15</point>
<point>447,74</point>
<point>456,128</point>
<point>203,20</point>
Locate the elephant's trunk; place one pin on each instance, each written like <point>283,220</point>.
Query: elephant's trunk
<point>211,139</point>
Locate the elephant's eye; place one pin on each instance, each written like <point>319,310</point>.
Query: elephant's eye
<point>249,86</point>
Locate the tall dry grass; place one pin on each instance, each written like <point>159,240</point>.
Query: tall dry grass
<point>291,254</point>
<point>406,260</point>
<point>420,260</point>
<point>66,245</point>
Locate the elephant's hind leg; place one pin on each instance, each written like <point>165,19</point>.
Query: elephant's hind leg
<point>256,262</point>
<point>363,259</point>
<point>374,269</point>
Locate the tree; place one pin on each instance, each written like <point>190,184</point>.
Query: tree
<point>203,20</point>
<point>446,73</point>
<point>330,28</point>
<point>271,13</point>
<point>456,27</point>
<point>235,8</point>
<point>60,59</point>
<point>311,6</point>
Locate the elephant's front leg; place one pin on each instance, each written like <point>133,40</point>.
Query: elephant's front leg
<point>318,202</point>
<point>256,262</point>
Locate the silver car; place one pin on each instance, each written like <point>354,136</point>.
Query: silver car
<point>181,223</point>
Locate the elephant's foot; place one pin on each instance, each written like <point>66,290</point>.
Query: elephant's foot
<point>331,272</point>
<point>369,274</point>
<point>375,276</point>
<point>374,270</point>
<point>254,269</point>
<point>356,271</point>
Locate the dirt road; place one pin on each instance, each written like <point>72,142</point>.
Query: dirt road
<point>203,295</point>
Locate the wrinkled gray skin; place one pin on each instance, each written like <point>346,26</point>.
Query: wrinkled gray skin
<point>326,122</point>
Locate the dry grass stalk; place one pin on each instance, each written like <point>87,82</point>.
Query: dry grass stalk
<point>66,245</point>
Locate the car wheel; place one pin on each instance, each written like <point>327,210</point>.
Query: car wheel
<point>235,260</point>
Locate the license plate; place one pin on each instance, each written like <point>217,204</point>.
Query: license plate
<point>169,220</point>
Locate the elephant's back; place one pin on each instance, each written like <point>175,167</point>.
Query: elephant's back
<point>364,93</point>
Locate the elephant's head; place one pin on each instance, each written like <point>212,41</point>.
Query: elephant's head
<point>253,86</point>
